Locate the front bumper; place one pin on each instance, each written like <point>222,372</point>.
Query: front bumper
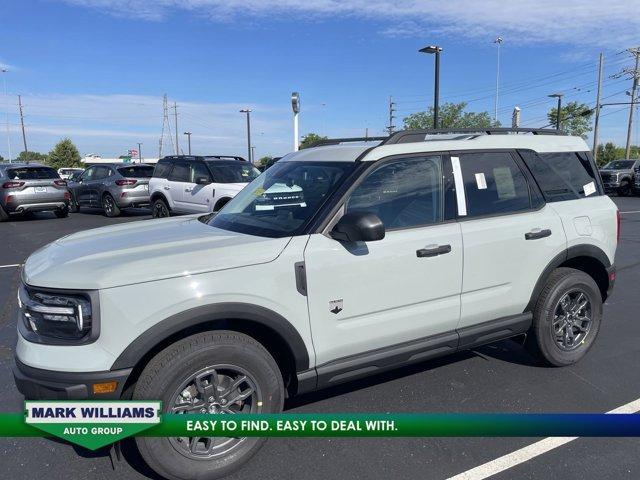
<point>38,384</point>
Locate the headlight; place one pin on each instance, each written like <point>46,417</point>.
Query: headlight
<point>55,315</point>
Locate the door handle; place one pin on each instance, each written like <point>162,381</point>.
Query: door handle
<point>433,251</point>
<point>537,233</point>
<point>167,187</point>
<point>187,189</point>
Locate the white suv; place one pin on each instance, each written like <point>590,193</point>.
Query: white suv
<point>338,262</point>
<point>194,184</point>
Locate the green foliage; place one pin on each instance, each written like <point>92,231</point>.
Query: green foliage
<point>575,118</point>
<point>451,115</point>
<point>265,160</point>
<point>609,152</point>
<point>32,157</point>
<point>64,154</point>
<point>309,139</point>
<point>1,158</point>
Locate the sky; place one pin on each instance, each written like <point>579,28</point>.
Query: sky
<point>96,70</point>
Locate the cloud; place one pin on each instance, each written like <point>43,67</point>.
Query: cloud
<point>111,124</point>
<point>592,22</point>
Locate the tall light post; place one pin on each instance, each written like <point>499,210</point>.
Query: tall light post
<point>188,134</point>
<point>6,99</point>
<point>558,114</point>
<point>436,88</point>
<point>248,113</point>
<point>497,41</point>
<point>139,152</point>
<point>295,105</point>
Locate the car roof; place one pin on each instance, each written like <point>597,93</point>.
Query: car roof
<point>22,165</point>
<point>204,157</point>
<point>425,142</point>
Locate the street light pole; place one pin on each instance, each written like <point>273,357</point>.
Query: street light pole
<point>436,88</point>
<point>247,111</point>
<point>558,114</point>
<point>498,41</point>
<point>188,134</point>
<point>6,99</point>
<point>596,123</point>
<point>295,105</point>
<point>139,152</point>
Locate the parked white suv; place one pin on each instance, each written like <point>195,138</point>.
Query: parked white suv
<point>194,184</point>
<point>418,246</point>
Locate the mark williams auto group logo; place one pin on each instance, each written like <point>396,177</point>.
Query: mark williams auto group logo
<point>93,424</point>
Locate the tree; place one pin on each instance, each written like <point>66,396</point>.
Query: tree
<point>609,152</point>
<point>575,118</point>
<point>309,139</point>
<point>264,160</point>
<point>64,154</point>
<point>1,158</point>
<point>32,157</point>
<point>451,115</point>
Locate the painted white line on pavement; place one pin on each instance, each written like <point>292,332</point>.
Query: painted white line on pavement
<point>530,451</point>
<point>630,211</point>
<point>10,266</point>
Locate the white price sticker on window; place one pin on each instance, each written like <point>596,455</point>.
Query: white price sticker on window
<point>589,189</point>
<point>481,181</point>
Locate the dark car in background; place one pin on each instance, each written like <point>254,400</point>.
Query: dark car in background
<point>112,187</point>
<point>618,176</point>
<point>30,187</point>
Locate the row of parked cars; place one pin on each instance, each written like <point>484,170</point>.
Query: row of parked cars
<point>621,177</point>
<point>178,184</point>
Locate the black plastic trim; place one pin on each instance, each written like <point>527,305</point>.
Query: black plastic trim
<point>301,278</point>
<point>208,313</point>
<point>38,384</point>
<point>488,332</point>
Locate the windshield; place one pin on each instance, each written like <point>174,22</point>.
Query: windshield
<point>32,173</point>
<point>233,171</point>
<point>140,171</point>
<point>619,165</point>
<point>283,199</point>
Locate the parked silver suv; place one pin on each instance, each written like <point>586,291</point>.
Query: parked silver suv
<point>26,188</point>
<point>112,187</point>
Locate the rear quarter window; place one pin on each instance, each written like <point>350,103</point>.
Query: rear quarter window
<point>136,172</point>
<point>563,175</point>
<point>162,169</point>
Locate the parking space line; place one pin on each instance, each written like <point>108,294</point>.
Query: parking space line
<point>11,266</point>
<point>529,452</point>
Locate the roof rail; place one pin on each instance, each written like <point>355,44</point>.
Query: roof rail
<point>338,141</point>
<point>410,136</point>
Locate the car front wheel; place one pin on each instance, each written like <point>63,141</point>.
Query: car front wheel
<point>219,372</point>
<point>567,317</point>
<point>160,209</point>
<point>109,206</point>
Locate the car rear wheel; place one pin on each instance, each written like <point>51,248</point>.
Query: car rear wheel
<point>625,189</point>
<point>3,215</point>
<point>62,213</point>
<point>74,206</point>
<point>109,206</point>
<point>160,209</point>
<point>567,317</point>
<point>220,372</point>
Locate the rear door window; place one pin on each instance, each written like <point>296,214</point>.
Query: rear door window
<point>562,175</point>
<point>198,170</point>
<point>493,184</point>
<point>180,173</point>
<point>162,169</point>
<point>32,173</point>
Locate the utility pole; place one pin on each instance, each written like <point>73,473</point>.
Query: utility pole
<point>596,122</point>
<point>635,74</point>
<point>188,134</point>
<point>139,152</point>
<point>515,118</point>
<point>248,113</point>
<point>6,99</point>
<point>24,136</point>
<point>392,110</point>
<point>175,113</point>
<point>558,114</point>
<point>497,41</point>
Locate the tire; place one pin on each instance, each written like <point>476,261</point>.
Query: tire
<point>221,203</point>
<point>171,373</point>
<point>62,213</point>
<point>160,209</point>
<point>565,285</point>
<point>74,206</point>
<point>624,190</point>
<point>109,206</point>
<point>4,216</point>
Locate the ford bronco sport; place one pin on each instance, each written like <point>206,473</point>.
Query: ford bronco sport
<point>388,253</point>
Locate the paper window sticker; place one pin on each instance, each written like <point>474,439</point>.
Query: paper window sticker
<point>589,189</point>
<point>481,181</point>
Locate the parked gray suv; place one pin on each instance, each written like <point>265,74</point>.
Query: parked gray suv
<point>618,176</point>
<point>112,187</point>
<point>26,188</point>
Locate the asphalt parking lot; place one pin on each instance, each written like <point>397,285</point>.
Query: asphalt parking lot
<point>498,378</point>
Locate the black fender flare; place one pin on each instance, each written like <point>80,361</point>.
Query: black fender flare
<point>155,195</point>
<point>198,316</point>
<point>575,251</point>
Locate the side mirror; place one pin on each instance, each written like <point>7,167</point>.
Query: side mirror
<point>358,227</point>
<point>202,181</point>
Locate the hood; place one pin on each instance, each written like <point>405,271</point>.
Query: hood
<point>144,251</point>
